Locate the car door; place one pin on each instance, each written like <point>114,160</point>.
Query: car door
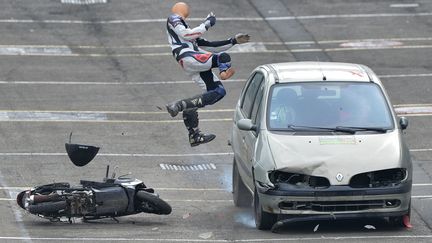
<point>243,139</point>
<point>251,137</point>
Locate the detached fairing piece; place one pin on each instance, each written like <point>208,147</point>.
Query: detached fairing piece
<point>79,154</point>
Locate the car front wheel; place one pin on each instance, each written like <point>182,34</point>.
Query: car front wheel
<point>263,220</point>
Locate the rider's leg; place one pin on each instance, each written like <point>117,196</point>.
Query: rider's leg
<point>196,137</point>
<point>215,92</point>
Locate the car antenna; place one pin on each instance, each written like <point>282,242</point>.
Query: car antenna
<point>70,137</point>
<point>324,78</point>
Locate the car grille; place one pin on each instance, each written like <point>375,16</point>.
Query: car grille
<point>338,206</point>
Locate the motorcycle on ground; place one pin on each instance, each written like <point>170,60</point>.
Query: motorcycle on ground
<point>111,198</point>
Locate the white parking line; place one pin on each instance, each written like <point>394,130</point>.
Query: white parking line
<point>123,155</point>
<point>102,116</point>
<point>384,76</point>
<point>11,154</point>
<point>421,150</point>
<point>257,51</point>
<point>113,121</point>
<point>111,112</point>
<point>110,83</point>
<point>317,239</point>
<point>253,19</point>
<point>404,5</point>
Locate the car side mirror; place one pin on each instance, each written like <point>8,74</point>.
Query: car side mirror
<point>403,122</point>
<point>246,125</point>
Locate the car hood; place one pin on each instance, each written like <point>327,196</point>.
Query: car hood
<point>328,156</point>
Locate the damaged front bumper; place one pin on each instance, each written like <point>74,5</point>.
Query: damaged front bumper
<point>335,200</point>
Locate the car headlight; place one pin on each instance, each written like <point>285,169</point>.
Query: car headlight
<point>298,179</point>
<point>380,178</point>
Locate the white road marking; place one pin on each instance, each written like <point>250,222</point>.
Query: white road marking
<point>421,150</point>
<point>162,20</point>
<point>124,155</point>
<point>422,196</point>
<point>239,51</point>
<point>200,200</point>
<point>187,167</point>
<point>169,82</point>
<point>405,75</point>
<point>115,121</point>
<point>102,116</point>
<point>110,83</point>
<point>318,239</point>
<point>74,112</point>
<point>24,51</point>
<point>404,5</point>
<point>83,2</point>
<point>56,116</point>
<point>6,154</point>
<point>423,184</point>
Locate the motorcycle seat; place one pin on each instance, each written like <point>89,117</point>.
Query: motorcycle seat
<point>96,184</point>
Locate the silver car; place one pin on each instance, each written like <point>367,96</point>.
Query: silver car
<point>322,141</point>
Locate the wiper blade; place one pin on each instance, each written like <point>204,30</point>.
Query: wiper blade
<point>329,129</point>
<point>375,129</point>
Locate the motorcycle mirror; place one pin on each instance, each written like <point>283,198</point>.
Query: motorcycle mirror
<point>80,154</point>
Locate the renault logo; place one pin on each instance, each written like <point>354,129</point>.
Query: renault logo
<point>339,177</point>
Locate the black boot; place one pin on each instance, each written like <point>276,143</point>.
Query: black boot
<point>198,138</point>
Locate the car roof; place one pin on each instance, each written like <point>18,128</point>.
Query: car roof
<point>316,71</point>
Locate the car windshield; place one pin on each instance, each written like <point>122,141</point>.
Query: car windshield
<point>341,106</point>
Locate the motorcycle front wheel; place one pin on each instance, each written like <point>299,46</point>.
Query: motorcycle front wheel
<point>150,203</point>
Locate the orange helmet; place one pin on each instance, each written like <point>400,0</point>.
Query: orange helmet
<point>181,9</point>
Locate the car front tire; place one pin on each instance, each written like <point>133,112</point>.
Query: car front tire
<point>241,195</point>
<point>263,220</point>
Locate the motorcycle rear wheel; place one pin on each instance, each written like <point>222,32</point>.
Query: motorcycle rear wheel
<point>47,207</point>
<point>150,203</point>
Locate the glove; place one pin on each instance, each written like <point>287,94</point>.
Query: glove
<point>210,20</point>
<point>241,38</point>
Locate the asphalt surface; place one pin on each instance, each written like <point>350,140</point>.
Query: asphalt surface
<point>101,70</point>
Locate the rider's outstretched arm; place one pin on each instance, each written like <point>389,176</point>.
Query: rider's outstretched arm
<point>216,46</point>
<point>220,46</point>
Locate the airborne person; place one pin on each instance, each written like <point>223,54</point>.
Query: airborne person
<point>197,57</point>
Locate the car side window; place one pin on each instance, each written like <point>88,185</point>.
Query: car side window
<point>250,94</point>
<point>257,104</point>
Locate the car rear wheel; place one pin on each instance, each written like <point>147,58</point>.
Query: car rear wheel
<point>263,220</point>
<point>241,195</point>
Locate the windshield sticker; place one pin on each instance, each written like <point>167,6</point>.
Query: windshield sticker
<point>337,140</point>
